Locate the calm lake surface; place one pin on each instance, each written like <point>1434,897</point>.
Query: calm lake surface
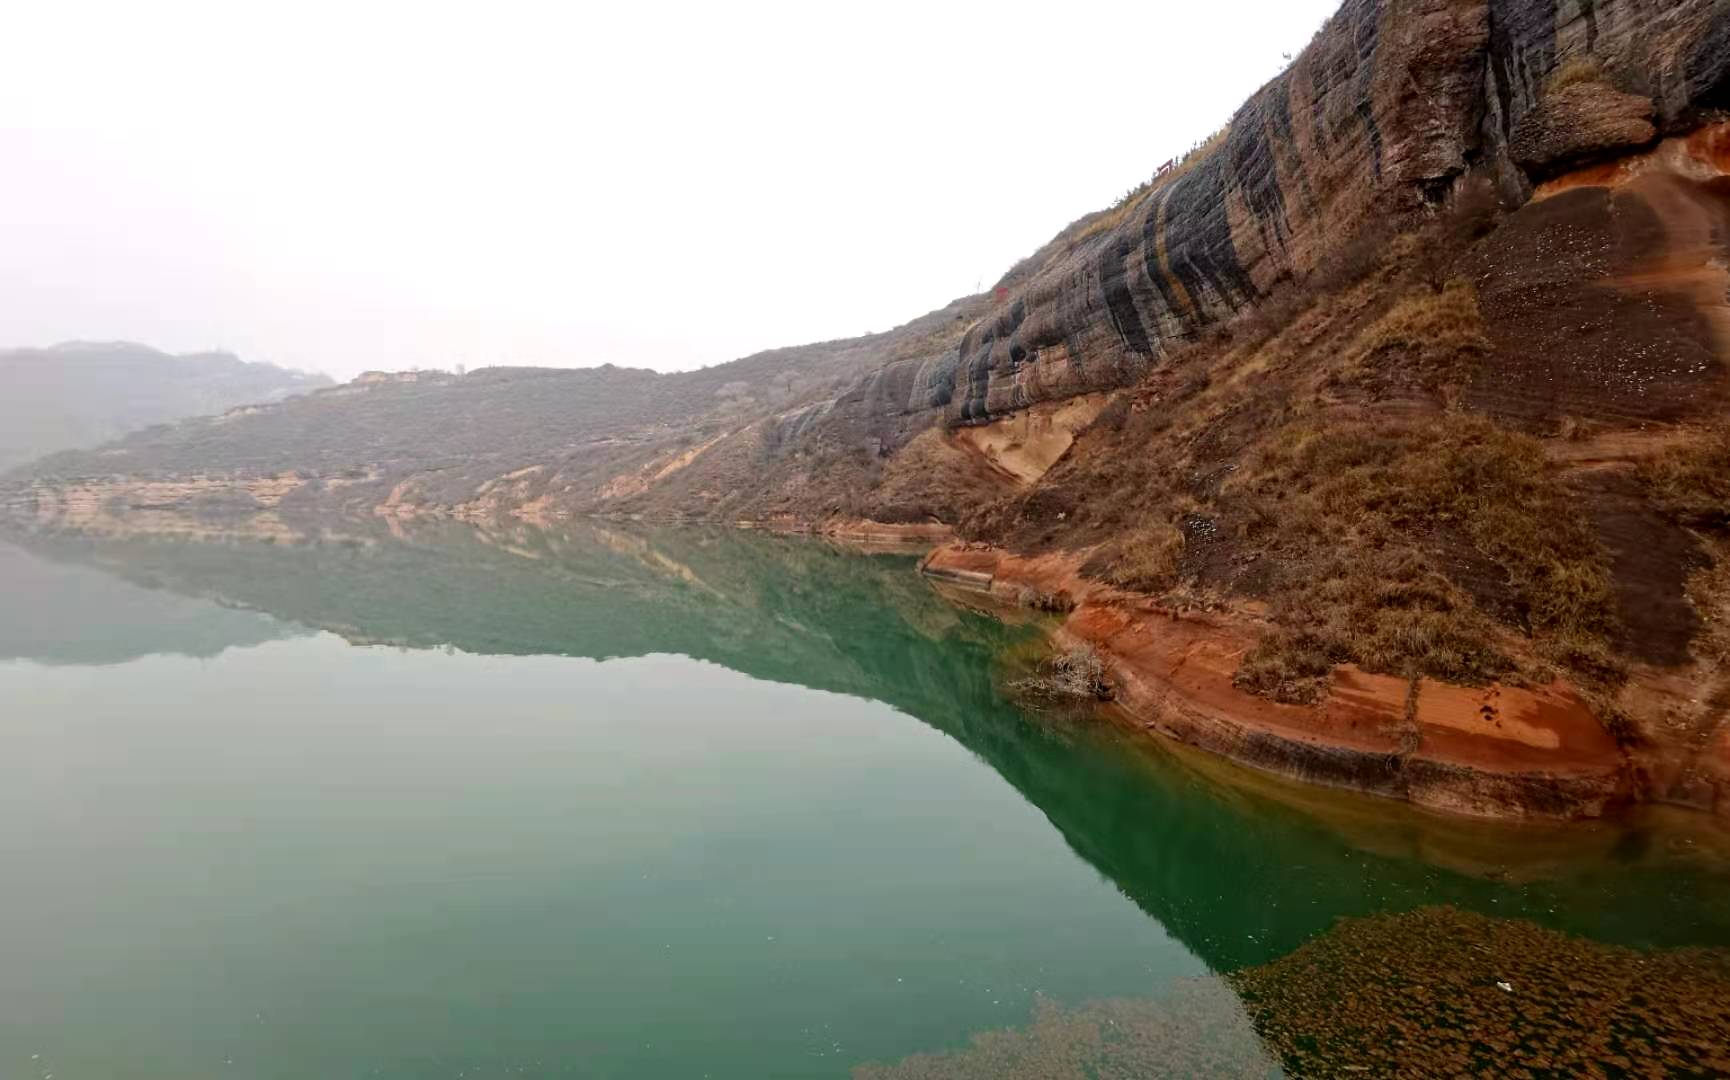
<point>604,803</point>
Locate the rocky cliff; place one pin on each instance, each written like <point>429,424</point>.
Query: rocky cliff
<point>1385,121</point>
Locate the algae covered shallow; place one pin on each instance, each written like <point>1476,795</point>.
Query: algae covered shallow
<point>606,802</point>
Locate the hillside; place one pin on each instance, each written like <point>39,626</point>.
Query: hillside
<point>82,394</point>
<point>1401,404</point>
<point>436,442</point>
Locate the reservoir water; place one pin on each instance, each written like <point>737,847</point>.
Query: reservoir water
<point>359,801</point>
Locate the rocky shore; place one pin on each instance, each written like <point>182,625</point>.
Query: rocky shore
<point>1490,751</point>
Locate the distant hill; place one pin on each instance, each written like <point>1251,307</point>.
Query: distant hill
<point>508,434</point>
<point>85,393</point>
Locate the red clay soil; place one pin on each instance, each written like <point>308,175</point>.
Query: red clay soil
<point>1487,751</point>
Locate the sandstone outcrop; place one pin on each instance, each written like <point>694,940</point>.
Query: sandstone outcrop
<point>1581,121</point>
<point>1382,115</point>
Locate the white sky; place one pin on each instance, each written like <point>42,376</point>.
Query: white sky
<point>342,186</point>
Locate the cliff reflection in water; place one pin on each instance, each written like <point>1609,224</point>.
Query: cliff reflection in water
<point>1240,869</point>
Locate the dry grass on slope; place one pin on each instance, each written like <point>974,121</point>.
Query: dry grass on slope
<point>1310,458</point>
<point>1690,484</point>
<point>1368,524</point>
<point>928,479</point>
<point>1419,342</point>
<point>1438,545</point>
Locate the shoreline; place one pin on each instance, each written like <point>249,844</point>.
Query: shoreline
<point>1497,752</point>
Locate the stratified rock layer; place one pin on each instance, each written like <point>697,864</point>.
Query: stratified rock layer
<point>1381,115</point>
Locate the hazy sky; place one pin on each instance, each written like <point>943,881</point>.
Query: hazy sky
<point>350,185</point>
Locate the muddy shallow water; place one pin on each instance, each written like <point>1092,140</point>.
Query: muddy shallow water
<point>595,802</point>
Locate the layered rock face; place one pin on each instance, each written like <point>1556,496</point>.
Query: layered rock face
<point>1378,113</point>
<point>1379,120</point>
<point>1390,105</point>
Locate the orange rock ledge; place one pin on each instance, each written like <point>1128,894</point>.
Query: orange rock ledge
<point>1494,751</point>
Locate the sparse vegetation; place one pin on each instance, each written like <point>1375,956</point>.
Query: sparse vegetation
<point>1419,543</point>
<point>926,481</point>
<point>1076,674</point>
<point>1148,561</point>
<point>1362,518</point>
<point>1709,589</point>
<point>1422,344</point>
<point>1094,224</point>
<point>1691,483</point>
<point>1440,546</point>
<point>1444,323</point>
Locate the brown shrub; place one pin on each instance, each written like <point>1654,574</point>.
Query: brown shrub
<point>1288,665</point>
<point>1057,603</point>
<point>1354,260</point>
<point>1076,673</point>
<point>1114,415</point>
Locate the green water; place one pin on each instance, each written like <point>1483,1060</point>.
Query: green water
<point>606,803</point>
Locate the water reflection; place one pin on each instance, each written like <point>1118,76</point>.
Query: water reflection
<point>1242,870</point>
<point>67,613</point>
<point>1240,867</point>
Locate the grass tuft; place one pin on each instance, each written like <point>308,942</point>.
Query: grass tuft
<point>1147,561</point>
<point>1577,69</point>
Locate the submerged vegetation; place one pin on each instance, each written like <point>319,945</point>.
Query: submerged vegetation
<point>1196,1029</point>
<point>1427,993</point>
<point>1442,992</point>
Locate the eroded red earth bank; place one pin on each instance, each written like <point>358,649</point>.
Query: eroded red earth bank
<point>1497,750</point>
